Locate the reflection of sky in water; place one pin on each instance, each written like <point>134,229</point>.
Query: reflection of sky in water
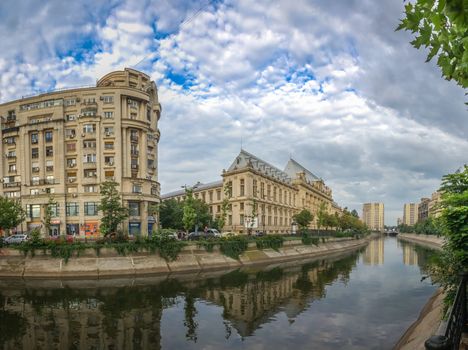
<point>369,311</point>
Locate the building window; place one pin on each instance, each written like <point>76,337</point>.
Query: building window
<point>14,194</point>
<point>35,180</point>
<point>70,117</point>
<point>210,195</point>
<point>34,191</point>
<point>136,188</point>
<point>148,114</point>
<point>33,210</point>
<point>89,144</point>
<point>109,130</point>
<point>108,145</point>
<point>229,189</point>
<point>72,209</point>
<point>11,117</point>
<point>241,219</point>
<point>108,115</point>
<point>134,163</point>
<point>91,208</point>
<point>274,193</point>
<point>132,103</point>
<point>108,99</point>
<point>89,173</point>
<point>134,208</point>
<point>69,101</point>
<point>35,153</point>
<point>34,138</point>
<point>109,160</point>
<point>71,162</point>
<point>242,206</point>
<point>70,133</point>
<point>242,187</point>
<point>109,175</point>
<point>71,147</point>
<point>48,136</point>
<point>10,140</point>
<point>89,128</point>
<point>90,188</point>
<point>12,168</point>
<point>49,165</point>
<point>254,188</point>
<point>49,151</point>
<point>50,180</point>
<point>218,195</point>
<point>268,192</point>
<point>229,219</point>
<point>89,158</point>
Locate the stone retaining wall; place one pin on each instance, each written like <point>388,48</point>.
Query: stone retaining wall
<point>191,259</point>
<point>430,241</point>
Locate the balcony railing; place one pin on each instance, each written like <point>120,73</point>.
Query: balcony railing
<point>448,335</point>
<point>44,182</point>
<point>11,184</point>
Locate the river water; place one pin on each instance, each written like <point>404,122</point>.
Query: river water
<point>360,300</point>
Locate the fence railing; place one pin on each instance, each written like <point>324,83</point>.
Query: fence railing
<point>449,334</point>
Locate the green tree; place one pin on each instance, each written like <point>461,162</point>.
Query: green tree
<point>441,26</point>
<point>454,257</point>
<point>11,213</point>
<point>171,213</point>
<point>321,215</point>
<point>303,219</point>
<point>202,212</point>
<point>221,220</point>
<point>189,213</point>
<point>355,213</point>
<point>113,213</point>
<point>49,212</point>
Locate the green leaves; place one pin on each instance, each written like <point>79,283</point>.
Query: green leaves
<point>113,213</point>
<point>11,213</point>
<point>442,27</point>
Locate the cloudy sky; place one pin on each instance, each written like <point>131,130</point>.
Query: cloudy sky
<point>328,82</point>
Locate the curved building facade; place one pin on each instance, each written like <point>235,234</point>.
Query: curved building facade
<point>64,144</point>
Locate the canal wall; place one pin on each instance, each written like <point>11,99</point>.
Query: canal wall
<point>430,316</point>
<point>192,259</point>
<point>429,241</point>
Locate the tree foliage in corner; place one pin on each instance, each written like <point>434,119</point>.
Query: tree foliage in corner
<point>441,26</point>
<point>113,213</point>
<point>11,213</point>
<point>454,258</point>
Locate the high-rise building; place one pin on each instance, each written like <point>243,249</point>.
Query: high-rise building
<point>410,214</point>
<point>373,216</point>
<point>64,144</point>
<point>434,209</point>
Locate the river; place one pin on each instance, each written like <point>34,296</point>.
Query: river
<point>360,300</point>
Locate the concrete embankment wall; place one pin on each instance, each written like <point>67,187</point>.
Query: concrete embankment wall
<point>429,241</point>
<point>192,259</point>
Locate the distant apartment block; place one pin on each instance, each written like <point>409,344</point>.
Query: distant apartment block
<point>423,209</point>
<point>410,214</point>
<point>373,216</point>
<point>277,195</point>
<point>434,205</point>
<point>64,144</point>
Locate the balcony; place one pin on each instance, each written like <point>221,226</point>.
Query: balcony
<point>71,165</point>
<point>44,182</point>
<point>89,165</point>
<point>10,156</point>
<point>10,130</point>
<point>34,141</point>
<point>49,168</point>
<point>11,184</point>
<point>35,169</point>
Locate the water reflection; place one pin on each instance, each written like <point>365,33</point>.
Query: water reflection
<point>217,311</point>
<point>374,253</point>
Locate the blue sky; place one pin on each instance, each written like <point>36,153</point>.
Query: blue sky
<point>329,82</point>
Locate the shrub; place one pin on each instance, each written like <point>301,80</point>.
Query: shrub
<point>233,246</point>
<point>270,241</point>
<point>307,239</point>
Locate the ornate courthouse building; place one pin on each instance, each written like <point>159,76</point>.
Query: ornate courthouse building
<point>275,194</point>
<point>64,144</point>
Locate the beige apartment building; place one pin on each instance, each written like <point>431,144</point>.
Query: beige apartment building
<point>423,209</point>
<point>410,214</point>
<point>373,216</point>
<point>64,144</point>
<point>276,195</point>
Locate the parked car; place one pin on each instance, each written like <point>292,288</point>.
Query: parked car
<point>229,234</point>
<point>16,239</point>
<point>210,233</point>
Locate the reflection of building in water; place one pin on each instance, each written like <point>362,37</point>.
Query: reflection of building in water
<point>83,324</point>
<point>249,306</point>
<point>374,254</point>
<point>410,257</point>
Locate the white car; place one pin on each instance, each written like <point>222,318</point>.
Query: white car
<point>16,239</point>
